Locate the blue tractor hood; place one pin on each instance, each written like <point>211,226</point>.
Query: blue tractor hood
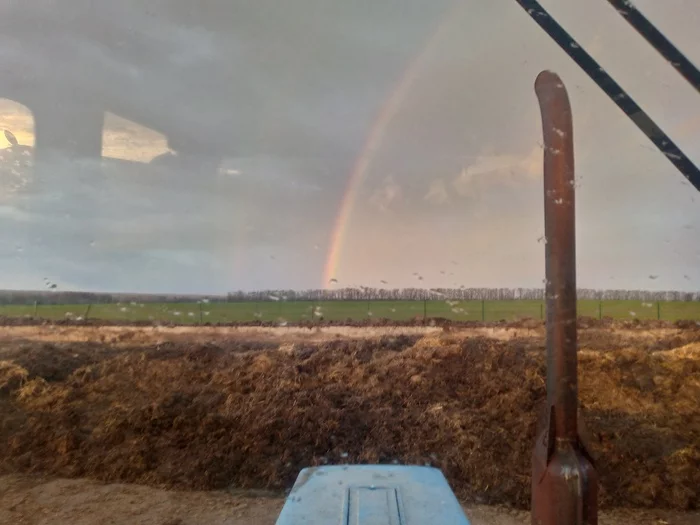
<point>371,495</point>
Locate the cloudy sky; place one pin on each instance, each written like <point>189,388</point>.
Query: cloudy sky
<point>364,141</point>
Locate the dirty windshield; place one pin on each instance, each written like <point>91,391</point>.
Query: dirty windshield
<point>240,239</point>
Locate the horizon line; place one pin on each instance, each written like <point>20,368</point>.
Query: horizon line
<point>327,290</point>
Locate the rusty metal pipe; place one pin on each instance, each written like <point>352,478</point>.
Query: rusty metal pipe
<point>560,252</point>
<point>564,481</point>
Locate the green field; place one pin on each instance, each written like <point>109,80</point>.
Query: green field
<point>282,311</point>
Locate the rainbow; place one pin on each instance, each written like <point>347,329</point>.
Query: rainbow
<point>373,143</point>
<point>375,138</point>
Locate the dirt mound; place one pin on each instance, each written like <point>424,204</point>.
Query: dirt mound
<point>201,416</point>
<point>12,377</point>
<point>56,362</point>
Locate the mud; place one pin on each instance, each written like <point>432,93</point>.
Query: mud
<point>441,322</point>
<point>31,499</point>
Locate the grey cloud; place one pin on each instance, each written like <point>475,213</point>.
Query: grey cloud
<point>286,94</point>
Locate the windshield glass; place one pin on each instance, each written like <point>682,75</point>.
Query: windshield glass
<point>244,238</point>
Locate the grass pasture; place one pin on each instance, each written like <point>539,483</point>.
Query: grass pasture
<point>295,311</point>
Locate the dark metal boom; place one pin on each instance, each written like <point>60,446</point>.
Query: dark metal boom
<point>611,88</point>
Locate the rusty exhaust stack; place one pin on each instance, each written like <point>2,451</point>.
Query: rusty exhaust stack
<point>564,481</point>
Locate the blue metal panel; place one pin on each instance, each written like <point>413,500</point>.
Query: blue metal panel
<point>371,495</point>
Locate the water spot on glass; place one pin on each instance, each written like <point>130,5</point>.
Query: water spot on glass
<point>619,96</point>
<point>205,301</point>
<point>344,454</point>
<point>273,297</point>
<point>281,322</point>
<point>393,309</point>
<point>574,45</point>
<point>559,201</point>
<point>383,281</point>
<point>177,313</point>
<point>673,156</point>
<point>92,244</point>
<point>647,305</point>
<point>333,280</point>
<point>123,309</point>
<point>272,257</point>
<point>542,239</point>
<point>316,247</point>
<point>190,314</point>
<point>257,314</point>
<point>370,314</point>
<point>205,313</point>
<point>633,314</point>
<point>652,277</point>
<point>687,278</point>
<point>559,132</point>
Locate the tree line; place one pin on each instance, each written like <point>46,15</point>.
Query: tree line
<point>362,293</point>
<point>22,297</point>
